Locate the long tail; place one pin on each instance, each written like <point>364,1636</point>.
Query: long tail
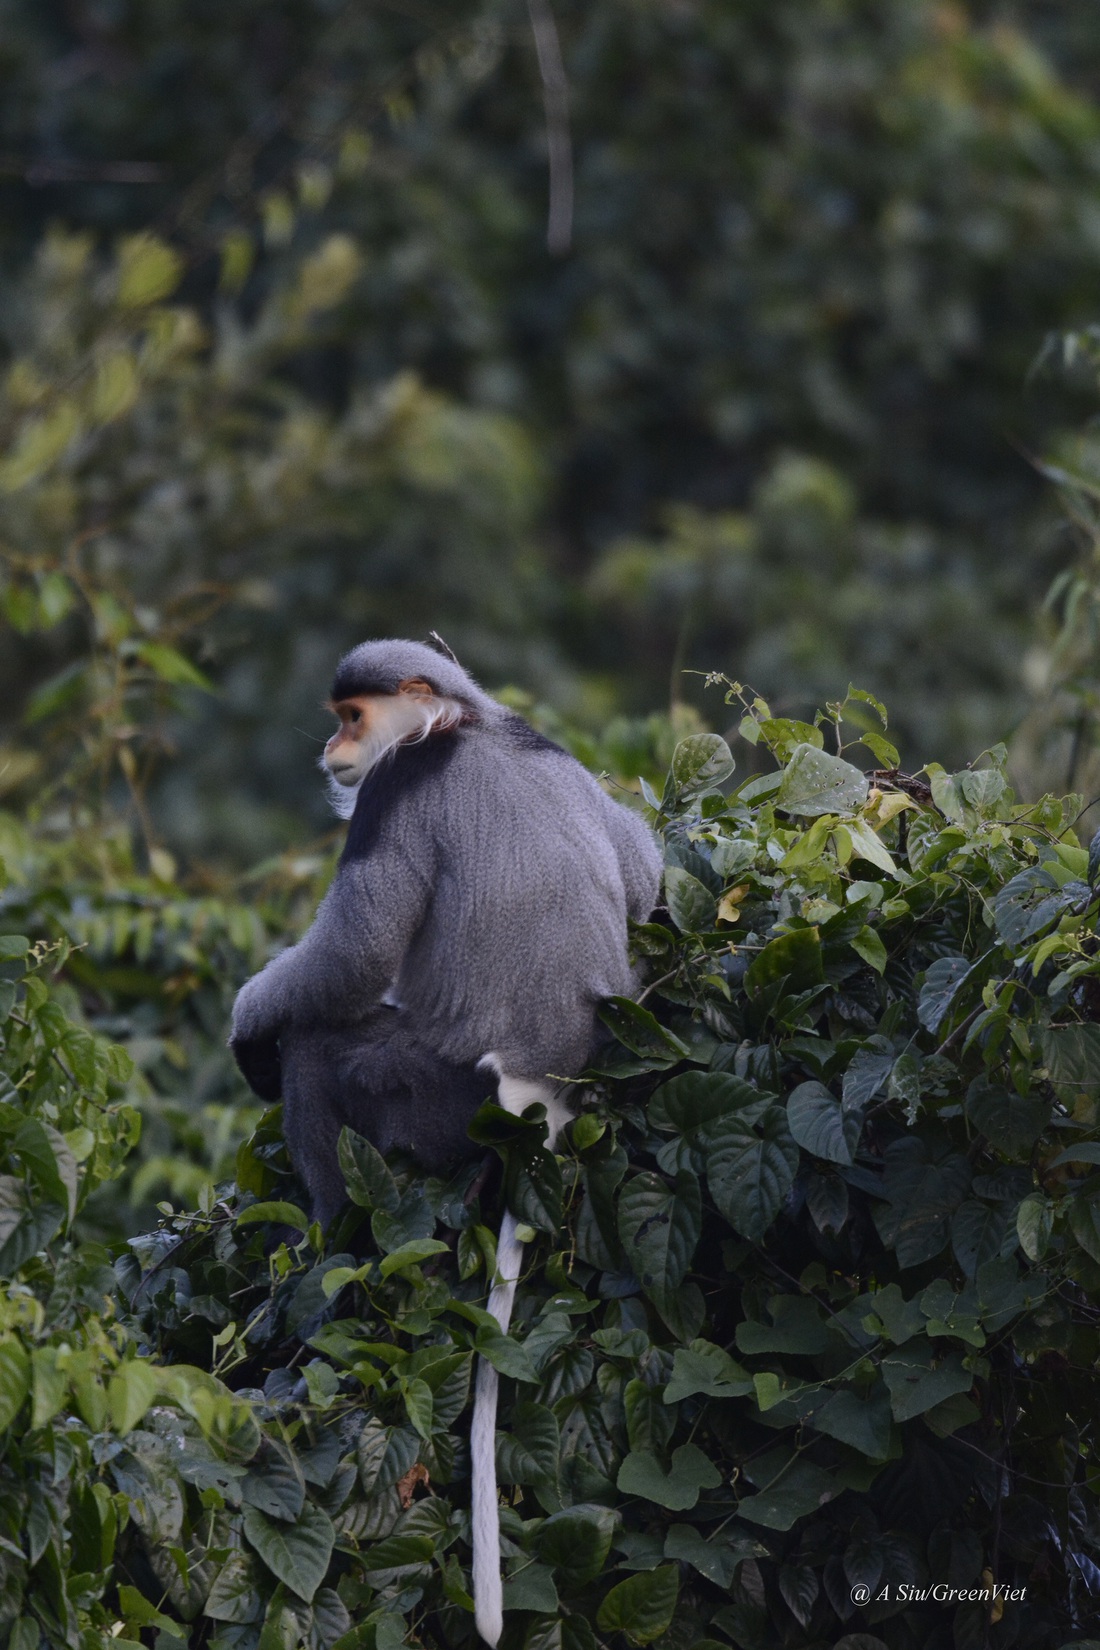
<point>488,1587</point>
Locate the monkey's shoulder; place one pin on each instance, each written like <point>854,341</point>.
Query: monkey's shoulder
<point>398,789</point>
<point>521,736</point>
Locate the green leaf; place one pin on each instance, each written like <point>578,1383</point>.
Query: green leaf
<point>700,762</point>
<point>562,1632</point>
<point>917,1378</point>
<point>795,957</point>
<point>274,1481</point>
<point>819,1124</point>
<point>49,1158</point>
<point>716,1560</point>
<point>979,1233</point>
<point>642,1607</point>
<point>367,1178</point>
<point>869,946</point>
<point>866,844</point>
<point>943,981</point>
<point>1084,1220</point>
<point>235,1595</point>
<point>798,1327</point>
<point>529,1452</point>
<point>706,1369</point>
<point>1072,1056</point>
<point>659,1227</point>
<point>131,1390</point>
<point>1034,1225</point>
<point>170,666</point>
<point>816,783</point>
<point>641,1032</point>
<point>688,1102</point>
<point>576,1543</point>
<point>864,1423</point>
<point>297,1554</point>
<point>148,270</point>
<point>1011,1123</point>
<point>1088,1151</point>
<point>691,904</point>
<point>531,1587</point>
<point>533,1187</point>
<point>750,1173</point>
<point>411,1254</point>
<point>679,1488</point>
<point>15,1378</point>
<point>397,1558</point>
<point>788,1494</point>
<point>505,1354</point>
<point>282,1214</point>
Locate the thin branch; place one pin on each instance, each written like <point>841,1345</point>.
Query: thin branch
<point>555,101</point>
<point>39,172</point>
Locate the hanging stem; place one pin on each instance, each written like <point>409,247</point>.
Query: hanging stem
<point>555,101</point>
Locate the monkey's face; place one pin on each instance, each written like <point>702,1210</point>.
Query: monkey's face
<point>372,724</point>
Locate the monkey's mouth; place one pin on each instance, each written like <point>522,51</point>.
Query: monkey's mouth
<point>344,773</point>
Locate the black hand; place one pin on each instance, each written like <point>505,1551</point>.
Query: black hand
<point>261,1067</point>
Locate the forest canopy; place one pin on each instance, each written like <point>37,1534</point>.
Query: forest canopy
<point>777,410</point>
<point>753,356</point>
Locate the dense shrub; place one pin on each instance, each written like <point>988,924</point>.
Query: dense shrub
<point>810,1305</point>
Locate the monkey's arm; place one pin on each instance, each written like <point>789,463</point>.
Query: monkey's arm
<point>351,954</point>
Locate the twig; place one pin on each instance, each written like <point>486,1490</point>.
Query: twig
<point>653,984</point>
<point>555,101</point>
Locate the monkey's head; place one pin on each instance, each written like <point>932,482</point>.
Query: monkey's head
<point>387,694</point>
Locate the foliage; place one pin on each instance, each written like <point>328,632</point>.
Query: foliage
<point>767,413</point>
<point>154,966</point>
<point>810,1301</point>
<point>162,470</point>
<point>73,1474</point>
<point>1061,737</point>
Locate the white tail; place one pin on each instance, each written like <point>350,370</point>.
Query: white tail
<point>514,1093</point>
<point>488,1587</point>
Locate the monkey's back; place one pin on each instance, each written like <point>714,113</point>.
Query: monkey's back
<point>533,872</point>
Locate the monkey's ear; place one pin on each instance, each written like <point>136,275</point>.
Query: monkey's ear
<point>417,686</point>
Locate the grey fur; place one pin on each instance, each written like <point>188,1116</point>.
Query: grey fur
<point>484,894</point>
<point>492,905</point>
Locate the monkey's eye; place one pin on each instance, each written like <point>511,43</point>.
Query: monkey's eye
<point>355,715</point>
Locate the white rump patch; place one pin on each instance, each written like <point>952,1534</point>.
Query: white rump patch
<point>517,1093</point>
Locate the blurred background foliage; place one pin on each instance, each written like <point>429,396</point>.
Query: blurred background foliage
<point>286,362</point>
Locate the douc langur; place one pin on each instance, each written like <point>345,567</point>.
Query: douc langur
<point>477,917</point>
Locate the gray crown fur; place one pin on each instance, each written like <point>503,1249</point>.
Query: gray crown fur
<point>378,667</point>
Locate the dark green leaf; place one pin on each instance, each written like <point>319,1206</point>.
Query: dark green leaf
<point>689,1473</point>
<point>750,1170</point>
<point>369,1182</point>
<point>659,1227</point>
<point>788,1494</point>
<point>640,1030</point>
<point>705,1368</point>
<point>1010,1122</point>
<point>641,1607</point>
<point>576,1543</point>
<point>691,904</point>
<point>864,1423</point>
<point>297,1554</point>
<point>918,1379</point>
<point>795,957</point>
<point>819,1124</point>
<point>1072,1056</point>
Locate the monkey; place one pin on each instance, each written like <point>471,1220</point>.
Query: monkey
<point>477,917</point>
